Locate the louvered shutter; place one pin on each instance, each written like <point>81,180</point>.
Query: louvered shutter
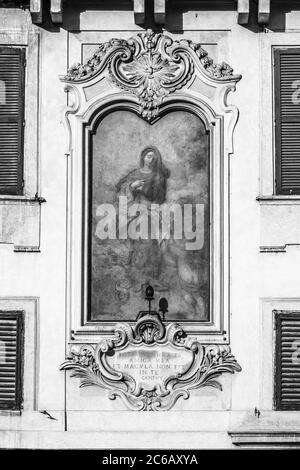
<point>12,63</point>
<point>287,120</point>
<point>11,358</point>
<point>287,380</point>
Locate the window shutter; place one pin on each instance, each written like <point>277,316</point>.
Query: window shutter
<point>287,361</point>
<point>11,355</point>
<point>287,120</point>
<point>12,64</point>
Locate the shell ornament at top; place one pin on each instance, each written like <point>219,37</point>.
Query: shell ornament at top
<point>151,66</point>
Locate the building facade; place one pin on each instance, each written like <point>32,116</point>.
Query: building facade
<point>87,90</point>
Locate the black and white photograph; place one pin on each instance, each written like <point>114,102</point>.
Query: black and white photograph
<point>149,228</point>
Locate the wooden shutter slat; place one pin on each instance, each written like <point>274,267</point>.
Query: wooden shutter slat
<point>9,156</point>
<point>290,154</point>
<point>9,330</point>
<point>11,119</point>
<point>287,379</point>
<point>292,385</point>
<point>11,352</point>
<point>10,360</point>
<point>286,349</point>
<point>295,380</point>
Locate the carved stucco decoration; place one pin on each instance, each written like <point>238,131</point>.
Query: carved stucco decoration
<point>151,66</point>
<point>151,365</point>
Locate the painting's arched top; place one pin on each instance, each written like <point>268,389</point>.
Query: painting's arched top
<point>151,66</point>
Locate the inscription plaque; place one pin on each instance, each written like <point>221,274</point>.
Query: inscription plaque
<point>150,366</point>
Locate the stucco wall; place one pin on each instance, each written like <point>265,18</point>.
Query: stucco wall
<point>259,282</point>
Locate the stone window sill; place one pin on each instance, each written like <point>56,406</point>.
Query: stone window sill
<point>265,438</point>
<point>22,199</point>
<point>279,199</point>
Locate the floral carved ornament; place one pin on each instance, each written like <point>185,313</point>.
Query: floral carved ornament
<point>151,365</point>
<point>151,66</point>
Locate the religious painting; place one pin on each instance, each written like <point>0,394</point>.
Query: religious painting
<point>149,217</point>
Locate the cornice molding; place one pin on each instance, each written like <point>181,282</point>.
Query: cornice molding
<point>36,11</point>
<point>139,12</point>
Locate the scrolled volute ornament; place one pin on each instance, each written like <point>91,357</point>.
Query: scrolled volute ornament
<point>149,329</point>
<point>151,66</point>
<point>150,366</point>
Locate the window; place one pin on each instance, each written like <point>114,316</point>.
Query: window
<point>287,361</point>
<point>11,355</point>
<point>12,63</point>
<point>287,120</point>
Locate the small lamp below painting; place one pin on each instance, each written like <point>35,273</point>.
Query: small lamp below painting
<point>149,296</point>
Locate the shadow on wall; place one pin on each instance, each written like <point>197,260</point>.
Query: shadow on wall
<point>176,10</point>
<point>174,13</point>
<point>278,18</point>
<point>73,9</point>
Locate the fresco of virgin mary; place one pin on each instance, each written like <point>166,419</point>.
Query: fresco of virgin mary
<point>153,167</point>
<point>148,183</point>
<point>145,185</point>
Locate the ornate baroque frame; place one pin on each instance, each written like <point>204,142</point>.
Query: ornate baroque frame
<point>183,77</point>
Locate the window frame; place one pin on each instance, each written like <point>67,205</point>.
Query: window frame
<point>18,190</point>
<point>280,315</point>
<point>19,316</point>
<point>30,41</point>
<point>278,120</point>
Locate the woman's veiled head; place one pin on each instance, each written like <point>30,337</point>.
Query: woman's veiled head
<point>151,157</point>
